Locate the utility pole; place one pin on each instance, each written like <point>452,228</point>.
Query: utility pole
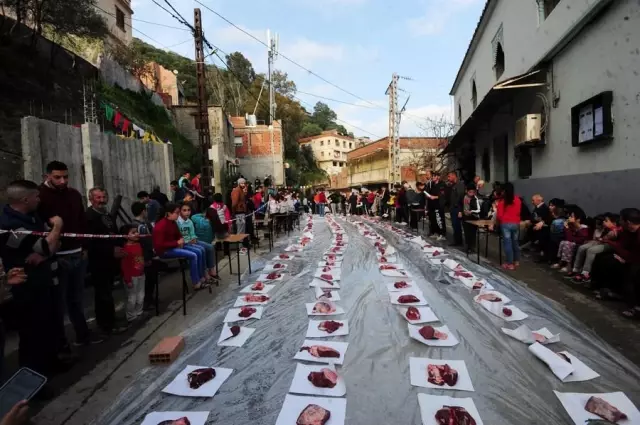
<point>204,136</point>
<point>394,131</point>
<point>272,53</point>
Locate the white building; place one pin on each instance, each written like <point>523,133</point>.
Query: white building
<point>117,14</point>
<point>548,97</point>
<point>330,150</point>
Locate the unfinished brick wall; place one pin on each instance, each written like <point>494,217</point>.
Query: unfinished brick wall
<point>257,158</point>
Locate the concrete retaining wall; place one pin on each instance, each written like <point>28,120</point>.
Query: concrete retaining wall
<point>122,166</point>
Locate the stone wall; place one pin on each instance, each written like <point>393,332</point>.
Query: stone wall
<point>122,166</point>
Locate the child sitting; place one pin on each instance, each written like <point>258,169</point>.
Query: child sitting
<point>606,229</point>
<point>139,211</point>
<point>575,234</point>
<point>132,267</point>
<point>202,249</point>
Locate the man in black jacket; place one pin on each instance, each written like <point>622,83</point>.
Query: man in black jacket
<point>104,260</point>
<point>455,202</point>
<point>537,228</point>
<point>436,201</point>
<point>34,299</point>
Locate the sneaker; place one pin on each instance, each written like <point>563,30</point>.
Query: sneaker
<point>440,238</point>
<point>404,223</point>
<point>90,340</point>
<point>564,270</point>
<point>556,266</point>
<point>570,275</point>
<point>581,279</point>
<point>119,329</point>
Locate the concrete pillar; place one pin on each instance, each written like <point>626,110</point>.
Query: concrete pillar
<point>33,168</point>
<point>169,168</point>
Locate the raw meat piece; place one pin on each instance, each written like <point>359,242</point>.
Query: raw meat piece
<point>330,263</point>
<point>246,311</point>
<point>507,311</point>
<point>401,285</point>
<point>199,377</point>
<point>256,298</point>
<point>327,269</point>
<point>235,330</point>
<point>326,378</point>
<point>326,276</point>
<point>330,326</point>
<point>181,421</point>
<point>460,273</point>
<point>539,337</point>
<point>454,415</point>
<point>407,299</point>
<point>324,307</point>
<point>429,332</point>
<point>273,276</point>
<point>412,313</point>
<point>278,266</point>
<point>435,253</point>
<point>284,257</point>
<point>313,415</point>
<point>600,407</point>
<point>321,351</point>
<point>388,267</point>
<point>442,374</point>
<point>383,259</point>
<point>489,297</point>
<point>564,357</point>
<point>478,285</point>
<point>258,286</point>
<point>331,256</point>
<point>326,293</point>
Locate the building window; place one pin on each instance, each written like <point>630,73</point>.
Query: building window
<point>474,95</point>
<point>499,64</point>
<point>322,154</point>
<point>337,143</point>
<point>350,145</point>
<point>120,19</point>
<point>321,142</point>
<point>344,144</point>
<point>335,164</point>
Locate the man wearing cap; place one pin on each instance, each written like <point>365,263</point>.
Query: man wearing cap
<point>239,204</point>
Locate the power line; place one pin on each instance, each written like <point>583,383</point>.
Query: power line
<point>336,100</point>
<point>159,25</point>
<point>130,26</point>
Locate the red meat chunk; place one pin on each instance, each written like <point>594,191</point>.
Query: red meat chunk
<point>507,311</point>
<point>454,415</point>
<point>413,313</point>
<point>401,285</point>
<point>326,378</point>
<point>330,326</point>
<point>181,421</point>
<point>602,408</point>
<point>199,377</point>
<point>326,276</point>
<point>246,311</point>
<point>407,299</point>
<point>313,415</point>
<point>442,374</point>
<point>273,276</point>
<point>321,351</point>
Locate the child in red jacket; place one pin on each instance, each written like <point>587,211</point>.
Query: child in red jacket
<point>132,267</point>
<point>575,234</point>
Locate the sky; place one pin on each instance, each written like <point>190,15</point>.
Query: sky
<point>354,45</point>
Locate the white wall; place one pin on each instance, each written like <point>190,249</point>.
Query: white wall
<point>526,42</point>
<point>109,6</point>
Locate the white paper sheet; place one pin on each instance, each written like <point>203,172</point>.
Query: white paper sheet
<point>271,268</point>
<point>469,282</point>
<point>232,315</point>
<point>335,295</point>
<point>560,367</point>
<point>319,283</point>
<point>395,273</point>
<point>294,405</point>
<point>430,249</point>
<point>339,310</point>
<point>388,250</point>
<point>426,315</point>
<point>450,264</point>
<point>418,371</point>
<point>436,261</point>
<point>247,289</point>
<point>180,385</point>
<point>581,372</point>
<point>332,257</point>
<point>340,347</point>
<point>526,335</point>
<point>497,310</point>
<point>333,264</point>
<point>430,404</point>
<point>240,302</point>
<point>412,286</point>
<point>263,278</point>
<point>574,404</point>
<point>393,296</point>
<point>335,274</point>
<point>302,385</point>
<point>278,258</point>
<point>236,341</point>
<point>451,341</point>
<point>314,332</point>
<point>195,418</point>
<point>504,298</point>
<point>418,240</point>
<point>330,269</point>
<point>294,248</point>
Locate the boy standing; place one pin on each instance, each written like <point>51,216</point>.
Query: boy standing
<point>132,266</point>
<point>141,220</point>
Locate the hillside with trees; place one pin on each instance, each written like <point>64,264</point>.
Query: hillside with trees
<point>240,90</point>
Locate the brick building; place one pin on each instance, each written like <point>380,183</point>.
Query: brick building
<point>256,157</point>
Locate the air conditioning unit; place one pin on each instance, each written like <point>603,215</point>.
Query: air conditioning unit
<point>237,141</point>
<point>528,130</point>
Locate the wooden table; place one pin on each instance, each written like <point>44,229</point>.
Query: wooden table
<point>483,227</point>
<point>237,240</point>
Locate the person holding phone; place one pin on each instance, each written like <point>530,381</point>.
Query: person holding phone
<point>34,299</point>
<point>15,276</point>
<point>18,415</point>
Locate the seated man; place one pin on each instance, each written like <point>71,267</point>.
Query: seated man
<point>540,216</point>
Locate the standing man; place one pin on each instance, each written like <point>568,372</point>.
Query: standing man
<point>239,205</point>
<point>104,260</point>
<point>456,200</point>
<point>152,206</point>
<point>436,201</point>
<point>34,255</point>
<point>58,199</point>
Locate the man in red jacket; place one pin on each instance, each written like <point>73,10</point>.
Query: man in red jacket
<point>58,199</point>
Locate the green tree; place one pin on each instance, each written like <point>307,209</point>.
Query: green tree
<point>241,68</point>
<point>310,129</point>
<point>323,116</point>
<point>282,84</point>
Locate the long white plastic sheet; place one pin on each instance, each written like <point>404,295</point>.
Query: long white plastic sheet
<point>512,385</point>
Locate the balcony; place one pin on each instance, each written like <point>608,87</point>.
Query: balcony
<point>363,177</point>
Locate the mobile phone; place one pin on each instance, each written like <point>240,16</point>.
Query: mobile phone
<point>23,385</point>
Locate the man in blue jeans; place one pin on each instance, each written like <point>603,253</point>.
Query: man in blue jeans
<point>58,199</point>
<point>456,201</point>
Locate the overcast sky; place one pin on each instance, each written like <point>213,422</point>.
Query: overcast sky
<point>354,44</point>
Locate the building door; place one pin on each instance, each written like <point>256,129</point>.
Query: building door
<point>501,158</point>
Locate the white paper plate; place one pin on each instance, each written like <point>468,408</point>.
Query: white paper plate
<point>449,342</point>
<point>317,283</point>
<point>270,268</point>
<point>240,302</point>
<point>395,273</point>
<point>196,418</point>
<point>294,405</point>
<point>426,315</point>
<point>337,264</point>
<point>418,294</point>
<point>430,404</point>
<point>302,385</point>
<point>335,274</point>
<point>247,289</point>
<point>524,334</point>
<point>277,258</point>
<point>339,310</point>
<point>263,278</point>
<point>180,386</point>
<point>419,376</point>
<point>505,299</point>
<point>232,315</point>
<point>574,404</point>
<point>335,295</point>
<point>314,332</point>
<point>236,341</point>
<point>412,286</point>
<point>496,310</point>
<point>340,347</point>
